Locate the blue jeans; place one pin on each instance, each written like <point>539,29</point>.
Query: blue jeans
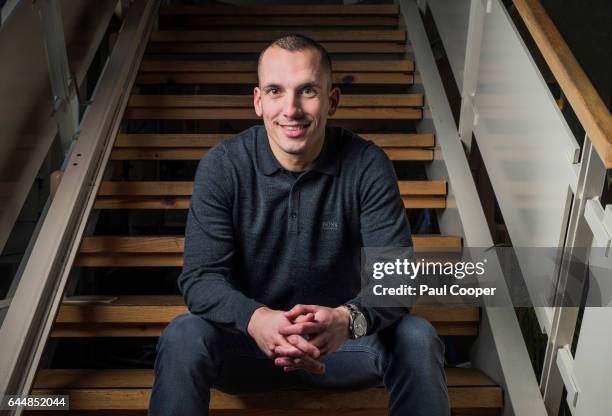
<point>193,355</point>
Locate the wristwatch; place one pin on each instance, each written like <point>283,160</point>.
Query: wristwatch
<point>358,325</point>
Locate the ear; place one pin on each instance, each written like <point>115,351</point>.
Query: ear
<point>257,101</point>
<point>334,100</point>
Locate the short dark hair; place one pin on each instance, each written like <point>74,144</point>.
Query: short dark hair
<point>293,42</point>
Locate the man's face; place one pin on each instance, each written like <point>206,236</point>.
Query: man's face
<point>295,100</point>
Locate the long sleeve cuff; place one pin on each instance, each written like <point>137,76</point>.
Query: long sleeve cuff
<point>244,315</point>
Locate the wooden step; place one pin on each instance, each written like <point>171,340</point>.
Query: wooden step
<point>175,244</point>
<point>281,10</point>
<point>470,392</point>
<point>345,72</point>
<point>250,66</point>
<point>242,78</point>
<point>423,194</point>
<point>167,251</point>
<point>383,140</point>
<point>194,146</point>
<point>355,113</point>
<point>134,316</point>
<point>176,195</point>
<point>224,16</point>
<point>257,47</point>
<point>307,21</point>
<point>164,308</point>
<point>246,101</point>
<point>271,35</point>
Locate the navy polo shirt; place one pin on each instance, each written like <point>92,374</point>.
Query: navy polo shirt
<point>258,236</point>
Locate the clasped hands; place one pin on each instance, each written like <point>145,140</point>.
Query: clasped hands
<point>298,338</point>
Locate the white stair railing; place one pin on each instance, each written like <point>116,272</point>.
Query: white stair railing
<point>547,188</point>
<point>35,303</point>
<point>529,151</point>
<point>500,351</point>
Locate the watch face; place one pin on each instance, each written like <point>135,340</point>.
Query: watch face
<point>360,325</point>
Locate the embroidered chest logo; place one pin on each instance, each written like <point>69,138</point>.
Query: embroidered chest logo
<point>330,225</point>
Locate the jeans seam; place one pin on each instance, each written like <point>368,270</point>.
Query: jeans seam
<point>366,350</point>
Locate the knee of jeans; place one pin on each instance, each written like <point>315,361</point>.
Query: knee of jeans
<point>414,333</point>
<point>187,337</point>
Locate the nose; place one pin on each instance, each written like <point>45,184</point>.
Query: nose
<point>292,107</point>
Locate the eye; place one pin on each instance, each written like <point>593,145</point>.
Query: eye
<point>272,91</point>
<point>309,91</point>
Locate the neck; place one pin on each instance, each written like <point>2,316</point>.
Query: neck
<point>297,162</point>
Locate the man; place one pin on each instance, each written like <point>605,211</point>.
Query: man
<point>271,276</point>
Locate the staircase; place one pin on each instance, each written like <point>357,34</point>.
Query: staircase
<point>192,91</point>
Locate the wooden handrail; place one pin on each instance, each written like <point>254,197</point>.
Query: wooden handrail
<point>576,86</point>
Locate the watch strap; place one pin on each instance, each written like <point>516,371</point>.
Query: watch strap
<point>353,311</point>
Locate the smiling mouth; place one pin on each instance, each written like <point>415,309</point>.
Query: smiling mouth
<point>294,130</point>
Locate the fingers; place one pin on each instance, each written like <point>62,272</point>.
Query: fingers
<point>297,347</point>
<point>303,345</point>
<point>321,343</point>
<point>286,348</point>
<point>308,364</point>
<point>281,351</point>
<point>305,318</point>
<point>302,328</point>
<point>283,362</point>
<point>300,309</point>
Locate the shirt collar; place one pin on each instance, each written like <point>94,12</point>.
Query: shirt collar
<point>265,158</point>
<point>328,161</point>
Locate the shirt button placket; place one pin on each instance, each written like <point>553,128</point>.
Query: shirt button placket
<point>293,211</point>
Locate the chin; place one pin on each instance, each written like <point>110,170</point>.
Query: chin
<point>293,150</point>
<point>293,145</point>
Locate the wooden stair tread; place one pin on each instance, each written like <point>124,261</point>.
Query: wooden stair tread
<point>164,308</point>
<point>131,389</point>
<point>196,153</point>
<point>389,72</point>
<point>143,378</point>
<point>185,188</point>
<point>257,47</point>
<point>154,329</point>
<point>132,244</point>
<point>175,195</point>
<point>146,188</point>
<point>246,101</point>
<point>239,78</point>
<point>194,146</point>
<point>268,10</point>
<point>383,140</point>
<point>242,21</point>
<point>175,244</point>
<point>250,66</point>
<point>476,400</point>
<point>271,35</point>
<point>422,187</point>
<point>359,113</point>
<point>167,251</point>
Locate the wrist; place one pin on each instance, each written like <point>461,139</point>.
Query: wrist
<point>254,318</point>
<point>344,316</point>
